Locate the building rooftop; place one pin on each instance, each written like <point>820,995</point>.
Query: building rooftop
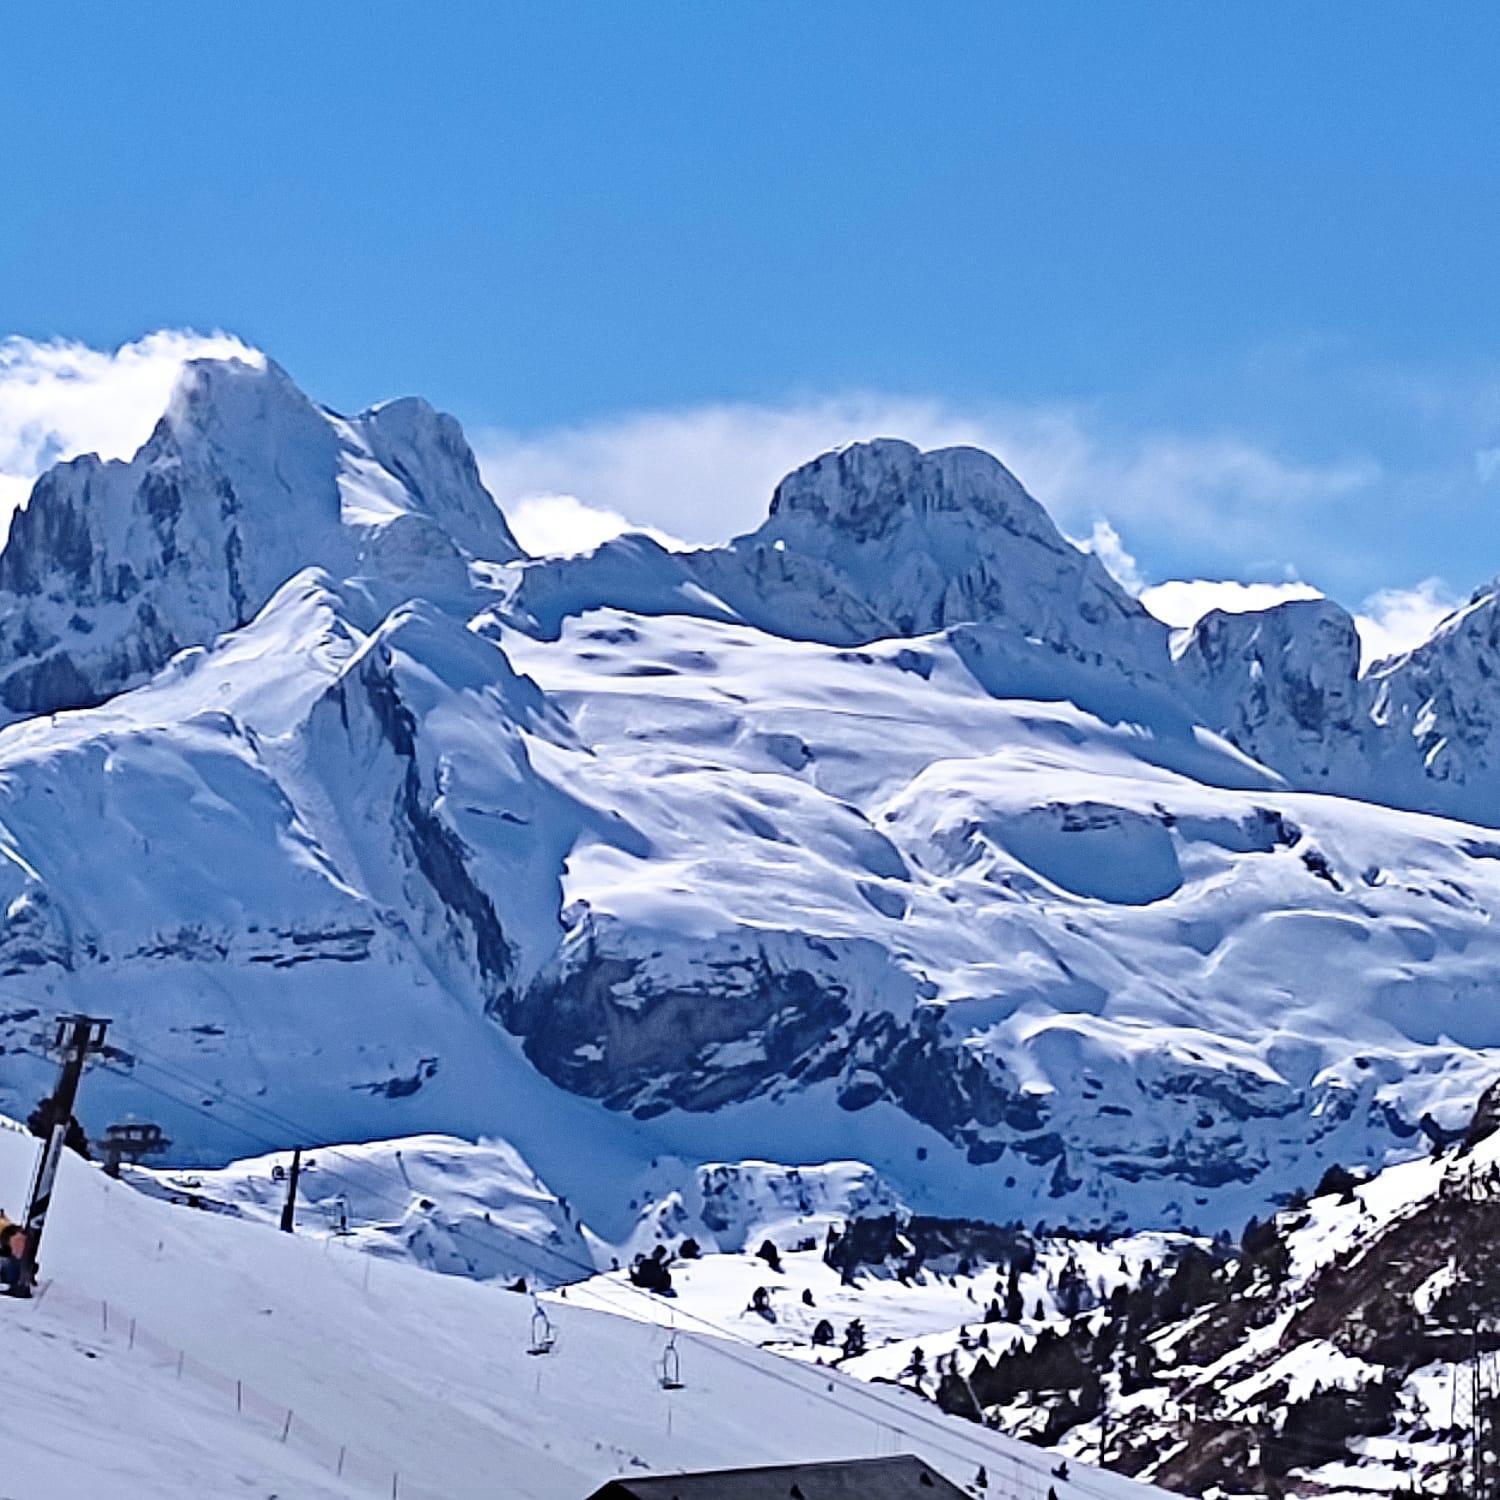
<point>903,1478</point>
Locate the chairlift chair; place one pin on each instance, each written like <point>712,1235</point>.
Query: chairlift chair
<point>670,1376</point>
<point>543,1335</point>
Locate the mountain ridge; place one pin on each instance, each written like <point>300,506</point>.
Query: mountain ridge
<point>1018,904</point>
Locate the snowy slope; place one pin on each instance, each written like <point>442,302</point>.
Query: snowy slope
<point>424,1378</point>
<point>1329,1354</point>
<point>892,833</point>
<point>1331,1375</point>
<point>1074,921</point>
<point>1327,1351</point>
<point>461,1208</point>
<point>940,1309</point>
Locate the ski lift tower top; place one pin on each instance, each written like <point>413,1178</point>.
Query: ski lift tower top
<point>131,1140</point>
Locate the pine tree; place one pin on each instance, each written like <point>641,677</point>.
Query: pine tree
<point>1015,1306</point>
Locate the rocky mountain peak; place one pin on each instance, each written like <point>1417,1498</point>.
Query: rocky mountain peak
<point>866,491</point>
<point>881,539</point>
<point>427,451</point>
<point>1281,683</point>
<point>231,402</point>
<point>1439,703</point>
<point>1309,644</point>
<point>111,568</point>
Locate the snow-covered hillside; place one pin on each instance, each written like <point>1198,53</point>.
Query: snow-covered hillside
<point>179,1352</point>
<point>894,832</point>
<point>1345,1347</point>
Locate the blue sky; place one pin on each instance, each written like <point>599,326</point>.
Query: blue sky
<point>1219,277</point>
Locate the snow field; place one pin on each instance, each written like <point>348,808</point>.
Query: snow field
<point>428,1376</point>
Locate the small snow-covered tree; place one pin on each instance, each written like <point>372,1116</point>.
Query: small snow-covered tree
<point>854,1339</point>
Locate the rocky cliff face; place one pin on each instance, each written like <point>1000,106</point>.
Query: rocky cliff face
<point>1415,731</point>
<point>1282,684</point>
<point>1436,709</point>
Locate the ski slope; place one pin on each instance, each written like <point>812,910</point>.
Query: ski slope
<point>423,1381</point>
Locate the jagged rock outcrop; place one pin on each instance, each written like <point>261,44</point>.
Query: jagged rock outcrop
<point>111,568</point>
<point>1283,685</point>
<point>1437,709</point>
<point>1415,730</point>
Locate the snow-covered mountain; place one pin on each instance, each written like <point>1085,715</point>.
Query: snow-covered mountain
<point>112,568</point>
<point>893,832</point>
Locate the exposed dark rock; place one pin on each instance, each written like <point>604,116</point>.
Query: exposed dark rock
<point>1486,1119</point>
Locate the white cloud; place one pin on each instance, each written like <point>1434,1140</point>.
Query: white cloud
<point>1394,620</point>
<point>1104,542</point>
<point>60,399</point>
<point>560,525</point>
<point>706,473</point>
<point>1181,602</point>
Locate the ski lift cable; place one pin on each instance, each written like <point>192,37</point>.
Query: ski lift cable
<point>543,1334</point>
<point>867,1392</point>
<point>543,1340</point>
<point>722,1334</point>
<point>395,1199</point>
<point>399,1198</point>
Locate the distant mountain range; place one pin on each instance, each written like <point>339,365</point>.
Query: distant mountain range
<point>895,830</point>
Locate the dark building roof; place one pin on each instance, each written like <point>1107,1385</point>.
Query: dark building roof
<point>904,1478</point>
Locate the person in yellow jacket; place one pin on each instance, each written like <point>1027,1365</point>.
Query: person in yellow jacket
<point>13,1278</point>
